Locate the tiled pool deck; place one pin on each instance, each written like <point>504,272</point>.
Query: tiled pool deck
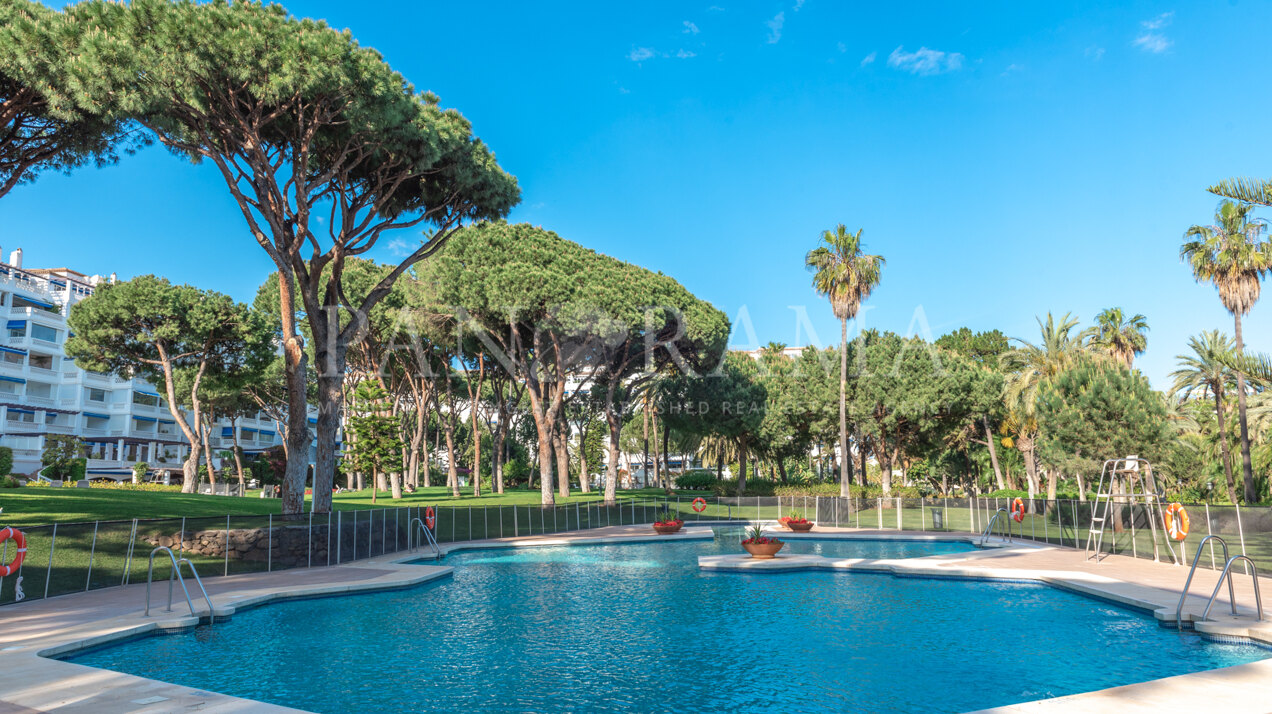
<point>32,632</point>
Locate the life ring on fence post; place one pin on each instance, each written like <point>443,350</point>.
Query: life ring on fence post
<point>19,539</point>
<point>699,504</point>
<point>1176,517</point>
<point>1018,510</point>
<point>430,518</point>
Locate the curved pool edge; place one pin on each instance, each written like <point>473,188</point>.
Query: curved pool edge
<point>30,679</point>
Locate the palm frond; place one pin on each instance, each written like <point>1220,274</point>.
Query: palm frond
<point>1249,190</point>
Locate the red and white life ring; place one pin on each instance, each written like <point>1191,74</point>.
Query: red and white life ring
<point>430,519</point>
<point>1018,510</point>
<point>699,504</point>
<point>20,541</point>
<point>1176,517</point>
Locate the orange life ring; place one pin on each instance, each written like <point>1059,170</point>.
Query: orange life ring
<point>1176,517</point>
<point>699,504</point>
<point>19,540</point>
<point>1018,510</point>
<point>430,519</point>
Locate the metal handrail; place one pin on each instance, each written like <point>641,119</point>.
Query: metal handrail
<point>176,575</point>
<point>428,536</point>
<point>1254,573</point>
<point>989,527</point>
<point>1232,596</point>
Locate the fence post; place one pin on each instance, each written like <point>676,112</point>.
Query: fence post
<point>514,522</point>
<point>339,532</point>
<point>485,523</point>
<point>900,525</point>
<point>309,540</point>
<point>1240,530</point>
<point>132,538</point>
<point>92,551</point>
<point>1212,543</point>
<point>48,576</point>
<point>183,538</point>
<point>269,554</point>
<point>227,544</point>
<point>578,523</point>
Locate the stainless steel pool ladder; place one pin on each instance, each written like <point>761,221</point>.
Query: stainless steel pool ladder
<point>1225,575</point>
<point>989,527</point>
<point>428,537</point>
<point>176,575</point>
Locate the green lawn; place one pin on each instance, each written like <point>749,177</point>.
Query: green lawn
<point>26,507</point>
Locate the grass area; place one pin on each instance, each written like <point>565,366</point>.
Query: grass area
<point>27,507</point>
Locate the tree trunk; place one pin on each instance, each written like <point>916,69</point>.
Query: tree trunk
<point>295,367</point>
<point>238,458</point>
<point>472,408</point>
<point>666,449</point>
<point>1223,443</point>
<point>330,362</point>
<point>742,457</point>
<point>993,453</point>
<point>562,458</point>
<point>1247,469</point>
<point>644,430</point>
<point>205,435</point>
<point>417,442</point>
<point>861,454</point>
<point>845,457</point>
<point>583,465</point>
<point>615,431</point>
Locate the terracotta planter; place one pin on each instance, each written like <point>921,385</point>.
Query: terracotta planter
<point>667,530</point>
<point>800,527</point>
<point>764,551</point>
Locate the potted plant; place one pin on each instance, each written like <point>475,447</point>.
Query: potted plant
<point>667,522</point>
<point>760,546</point>
<point>797,522</point>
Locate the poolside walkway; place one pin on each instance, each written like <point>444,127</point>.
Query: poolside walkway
<point>32,631</point>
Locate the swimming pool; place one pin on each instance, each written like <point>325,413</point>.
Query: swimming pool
<point>637,627</point>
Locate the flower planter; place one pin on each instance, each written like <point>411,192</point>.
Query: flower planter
<point>667,528</point>
<point>764,551</point>
<point>800,527</point>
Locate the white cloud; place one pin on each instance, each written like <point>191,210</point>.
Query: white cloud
<point>1159,22</point>
<point>798,5</point>
<point>400,248</point>
<point>1094,53</point>
<point>924,61</point>
<point>715,8</point>
<point>775,27</point>
<point>685,54</point>
<point>640,54</point>
<point>1152,40</point>
<point>1011,68</point>
<point>841,47</point>
<point>869,59</point>
<point>690,28</point>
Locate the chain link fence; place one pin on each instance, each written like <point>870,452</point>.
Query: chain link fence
<point>75,557</point>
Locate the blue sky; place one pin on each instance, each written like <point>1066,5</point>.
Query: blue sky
<point>1006,158</point>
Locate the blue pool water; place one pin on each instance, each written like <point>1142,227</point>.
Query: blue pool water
<point>638,628</point>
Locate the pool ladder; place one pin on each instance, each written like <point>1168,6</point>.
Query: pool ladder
<point>428,537</point>
<point>1225,575</point>
<point>989,527</point>
<point>176,575</point>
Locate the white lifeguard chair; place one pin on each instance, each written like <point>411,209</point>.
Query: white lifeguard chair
<point>1127,482</point>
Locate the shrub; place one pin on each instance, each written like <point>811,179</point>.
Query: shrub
<point>1017,493</point>
<point>126,486</point>
<point>696,480</point>
<point>6,461</point>
<point>140,469</point>
<point>8,481</point>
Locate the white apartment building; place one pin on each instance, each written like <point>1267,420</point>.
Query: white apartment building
<point>121,421</point>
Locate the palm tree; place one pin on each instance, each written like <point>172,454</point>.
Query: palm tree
<point>847,276</point>
<point>1233,255</point>
<point>1029,367</point>
<point>1246,190</point>
<point>1205,374</point>
<point>1121,337</point>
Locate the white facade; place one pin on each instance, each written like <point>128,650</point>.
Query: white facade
<point>122,421</point>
